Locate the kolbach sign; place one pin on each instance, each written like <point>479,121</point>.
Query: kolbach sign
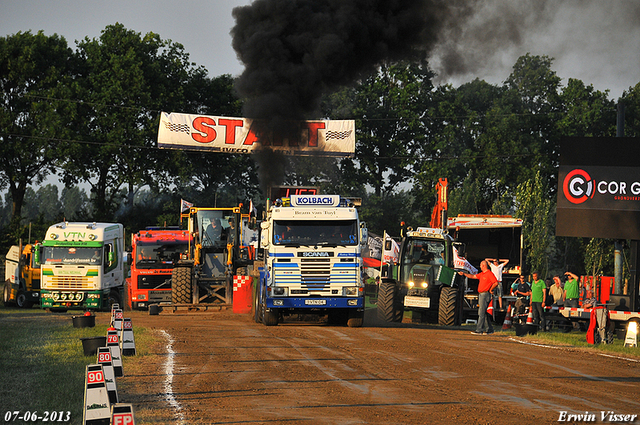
<point>235,135</point>
<point>599,188</point>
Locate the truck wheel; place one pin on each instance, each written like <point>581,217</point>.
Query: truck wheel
<point>447,308</point>
<point>387,306</point>
<point>356,318</point>
<point>21,300</point>
<point>114,298</point>
<point>6,295</point>
<point>181,285</point>
<point>270,318</point>
<point>257,311</point>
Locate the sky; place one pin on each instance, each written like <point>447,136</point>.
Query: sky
<point>595,41</point>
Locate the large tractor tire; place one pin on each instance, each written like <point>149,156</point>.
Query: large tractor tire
<point>388,309</point>
<point>447,310</point>
<point>181,285</point>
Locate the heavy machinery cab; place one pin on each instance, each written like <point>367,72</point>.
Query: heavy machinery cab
<point>215,254</point>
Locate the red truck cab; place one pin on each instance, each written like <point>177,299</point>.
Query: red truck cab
<point>154,251</point>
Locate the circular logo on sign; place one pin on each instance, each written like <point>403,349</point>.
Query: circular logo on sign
<point>578,186</point>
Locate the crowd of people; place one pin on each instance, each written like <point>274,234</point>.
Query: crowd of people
<point>534,295</point>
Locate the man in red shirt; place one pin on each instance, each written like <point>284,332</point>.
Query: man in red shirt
<point>486,286</point>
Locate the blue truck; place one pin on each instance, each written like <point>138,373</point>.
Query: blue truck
<point>311,250</point>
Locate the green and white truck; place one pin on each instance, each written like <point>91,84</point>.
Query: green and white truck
<point>82,266</point>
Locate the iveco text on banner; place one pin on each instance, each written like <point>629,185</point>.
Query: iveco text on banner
<point>235,135</point>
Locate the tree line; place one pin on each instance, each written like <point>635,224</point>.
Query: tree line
<point>90,118</point>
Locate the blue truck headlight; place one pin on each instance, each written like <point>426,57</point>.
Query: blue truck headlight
<point>278,302</point>
<point>352,302</point>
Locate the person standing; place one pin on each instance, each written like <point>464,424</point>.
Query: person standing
<point>538,295</point>
<point>486,286</point>
<point>556,291</point>
<point>571,291</point>
<point>523,292</point>
<point>496,267</point>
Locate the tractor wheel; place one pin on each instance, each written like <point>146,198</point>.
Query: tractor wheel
<point>387,306</point>
<point>181,285</point>
<point>447,309</point>
<point>6,295</point>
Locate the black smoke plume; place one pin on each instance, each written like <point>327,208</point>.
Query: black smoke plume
<point>296,50</point>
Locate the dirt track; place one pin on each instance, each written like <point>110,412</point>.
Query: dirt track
<point>223,368</point>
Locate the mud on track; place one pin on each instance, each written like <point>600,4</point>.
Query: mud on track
<point>222,368</point>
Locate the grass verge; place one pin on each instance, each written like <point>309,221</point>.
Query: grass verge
<point>42,363</point>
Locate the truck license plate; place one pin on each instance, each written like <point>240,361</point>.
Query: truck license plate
<point>423,302</point>
<point>315,302</point>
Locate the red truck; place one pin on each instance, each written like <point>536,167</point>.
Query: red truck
<point>154,252</point>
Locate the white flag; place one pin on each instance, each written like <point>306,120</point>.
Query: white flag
<point>391,255</point>
<point>184,205</point>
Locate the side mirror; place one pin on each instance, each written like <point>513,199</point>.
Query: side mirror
<point>36,255</point>
<point>111,257</point>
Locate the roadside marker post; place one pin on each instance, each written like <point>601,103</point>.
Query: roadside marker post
<point>104,358</point>
<point>97,407</point>
<point>122,414</point>
<point>117,321</point>
<point>113,342</point>
<point>114,307</point>
<point>128,341</point>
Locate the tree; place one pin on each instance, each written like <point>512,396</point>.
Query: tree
<point>535,209</point>
<point>125,79</point>
<point>388,105</point>
<point>35,73</point>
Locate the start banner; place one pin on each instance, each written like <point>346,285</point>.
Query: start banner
<point>236,135</point>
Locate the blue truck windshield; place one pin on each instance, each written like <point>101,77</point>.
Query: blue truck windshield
<point>315,232</point>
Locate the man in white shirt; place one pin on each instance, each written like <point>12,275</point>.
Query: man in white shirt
<point>496,267</point>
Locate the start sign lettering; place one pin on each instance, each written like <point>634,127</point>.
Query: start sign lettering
<point>104,357</point>
<point>112,339</point>
<point>335,138</point>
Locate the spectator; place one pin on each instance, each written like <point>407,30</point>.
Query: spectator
<point>556,291</point>
<point>523,292</point>
<point>571,291</point>
<point>486,286</point>
<point>496,267</point>
<point>538,295</point>
<point>590,301</point>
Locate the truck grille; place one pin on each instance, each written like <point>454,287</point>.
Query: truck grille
<point>154,281</point>
<point>315,271</point>
<point>69,282</point>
